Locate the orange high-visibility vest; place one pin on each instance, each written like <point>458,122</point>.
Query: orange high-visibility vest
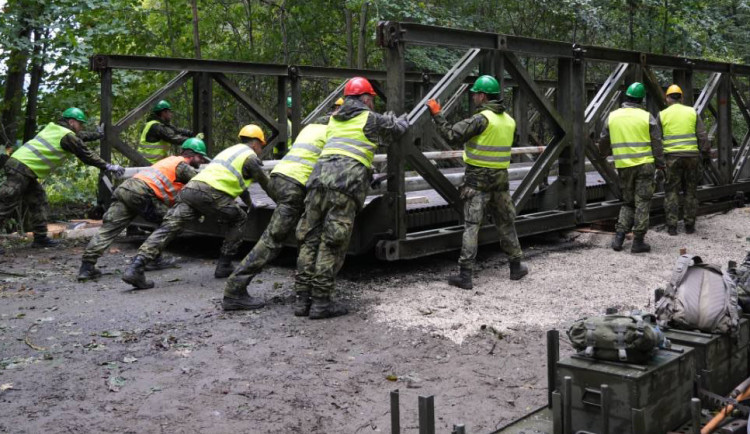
<point>161,177</point>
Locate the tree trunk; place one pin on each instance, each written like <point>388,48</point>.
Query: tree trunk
<point>631,3</point>
<point>196,34</point>
<point>282,22</point>
<point>349,41</point>
<point>665,27</point>
<point>361,54</point>
<point>37,70</point>
<point>11,109</point>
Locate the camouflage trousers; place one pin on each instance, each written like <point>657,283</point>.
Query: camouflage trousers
<point>323,232</point>
<point>500,206</point>
<point>131,199</point>
<point>683,173</point>
<point>637,186</point>
<point>290,200</point>
<point>19,189</point>
<point>196,199</point>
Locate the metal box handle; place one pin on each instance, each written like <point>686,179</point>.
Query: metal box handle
<point>592,397</point>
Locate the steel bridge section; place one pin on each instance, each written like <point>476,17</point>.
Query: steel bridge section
<point>568,111</point>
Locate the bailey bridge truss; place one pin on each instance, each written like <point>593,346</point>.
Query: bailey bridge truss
<point>559,180</point>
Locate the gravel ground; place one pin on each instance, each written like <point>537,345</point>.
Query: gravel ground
<point>97,357</point>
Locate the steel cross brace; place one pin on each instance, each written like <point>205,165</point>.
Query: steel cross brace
<point>538,171</point>
<point>247,102</point>
<point>323,107</point>
<point>419,119</point>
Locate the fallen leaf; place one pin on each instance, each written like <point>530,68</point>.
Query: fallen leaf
<point>6,386</point>
<point>115,383</point>
<point>391,378</point>
<point>129,359</point>
<point>110,334</point>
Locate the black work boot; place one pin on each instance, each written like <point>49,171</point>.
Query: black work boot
<point>42,241</point>
<point>462,279</point>
<point>302,304</point>
<point>639,246</point>
<point>518,269</point>
<point>690,229</point>
<point>88,271</point>
<point>672,230</point>
<point>237,298</point>
<point>161,263</point>
<point>617,241</point>
<point>135,276</point>
<point>224,267</point>
<point>324,307</point>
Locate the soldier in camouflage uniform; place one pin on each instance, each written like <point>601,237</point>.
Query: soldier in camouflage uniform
<point>487,138</point>
<point>36,159</point>
<point>149,194</point>
<point>213,192</point>
<point>159,135</point>
<point>633,137</point>
<point>337,189</point>
<point>287,181</point>
<point>685,144</point>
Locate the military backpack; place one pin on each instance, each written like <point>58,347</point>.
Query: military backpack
<point>699,296</point>
<point>619,338</point>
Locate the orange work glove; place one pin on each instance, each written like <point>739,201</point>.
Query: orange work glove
<point>434,106</point>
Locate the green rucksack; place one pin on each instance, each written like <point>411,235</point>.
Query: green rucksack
<point>619,338</point>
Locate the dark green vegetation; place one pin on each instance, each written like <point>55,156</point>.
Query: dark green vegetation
<point>46,45</point>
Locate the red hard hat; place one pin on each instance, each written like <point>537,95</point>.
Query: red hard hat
<point>358,86</point>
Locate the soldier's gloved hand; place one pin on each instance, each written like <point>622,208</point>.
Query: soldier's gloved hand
<point>659,176</point>
<point>116,170</point>
<point>402,123</point>
<point>434,106</point>
<point>705,158</point>
<point>200,136</point>
<point>468,192</point>
<point>100,129</point>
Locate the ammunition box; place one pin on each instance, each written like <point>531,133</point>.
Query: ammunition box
<point>721,361</point>
<point>644,399</point>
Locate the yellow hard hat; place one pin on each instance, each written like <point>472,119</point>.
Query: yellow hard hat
<point>339,101</point>
<point>674,89</point>
<point>252,131</point>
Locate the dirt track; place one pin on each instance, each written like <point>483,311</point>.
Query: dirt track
<point>97,357</point>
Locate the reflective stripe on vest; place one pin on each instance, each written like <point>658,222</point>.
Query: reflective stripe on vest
<point>152,151</point>
<point>678,127</point>
<point>630,137</point>
<point>224,172</point>
<point>299,162</point>
<point>491,148</point>
<point>348,138</point>
<point>43,153</point>
<point>161,177</point>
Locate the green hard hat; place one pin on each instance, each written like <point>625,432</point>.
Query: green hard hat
<point>161,105</point>
<point>486,84</point>
<point>636,90</point>
<point>75,113</point>
<point>196,145</point>
<point>289,102</point>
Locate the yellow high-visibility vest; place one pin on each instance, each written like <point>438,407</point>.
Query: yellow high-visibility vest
<point>152,151</point>
<point>629,136</point>
<point>348,138</point>
<point>224,172</point>
<point>491,148</point>
<point>298,163</point>
<point>43,153</point>
<point>678,129</point>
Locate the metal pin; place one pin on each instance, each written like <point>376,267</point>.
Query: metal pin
<point>695,413</point>
<point>427,414</point>
<point>395,413</point>
<point>553,355</point>
<point>567,405</point>
<point>605,397</point>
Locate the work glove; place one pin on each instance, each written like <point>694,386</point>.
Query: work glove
<point>116,170</point>
<point>200,136</point>
<point>659,176</point>
<point>100,129</point>
<point>434,106</point>
<point>376,181</point>
<point>706,158</point>
<point>467,192</point>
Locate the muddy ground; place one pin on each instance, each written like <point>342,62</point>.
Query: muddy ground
<point>98,357</point>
